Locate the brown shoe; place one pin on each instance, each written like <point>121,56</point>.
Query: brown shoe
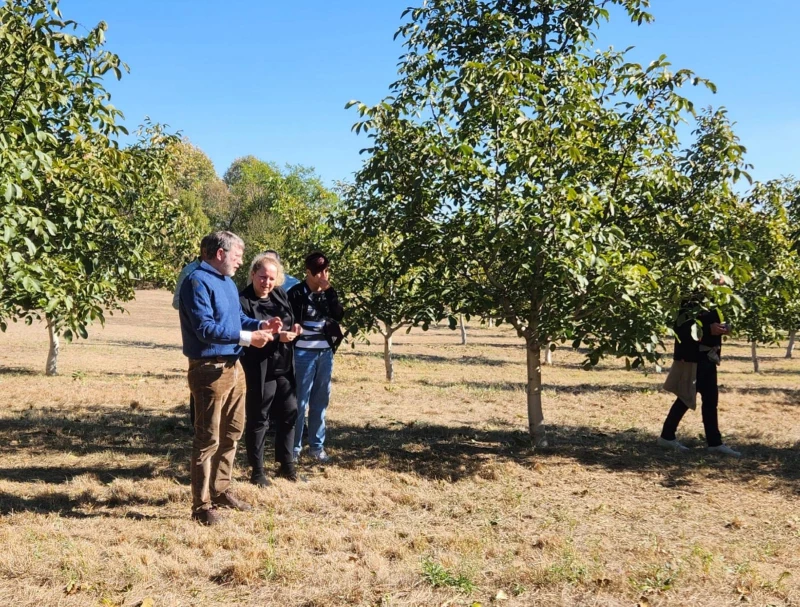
<point>226,500</point>
<point>207,517</point>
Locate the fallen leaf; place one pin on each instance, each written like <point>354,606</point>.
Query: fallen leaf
<point>500,596</point>
<point>147,602</point>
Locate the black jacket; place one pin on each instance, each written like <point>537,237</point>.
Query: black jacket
<point>275,358</point>
<point>686,348</point>
<point>332,311</point>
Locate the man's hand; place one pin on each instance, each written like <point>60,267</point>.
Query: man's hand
<point>273,325</point>
<point>287,336</point>
<point>259,339</point>
<point>297,329</point>
<point>719,329</point>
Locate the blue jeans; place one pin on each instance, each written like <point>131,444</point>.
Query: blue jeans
<point>313,370</point>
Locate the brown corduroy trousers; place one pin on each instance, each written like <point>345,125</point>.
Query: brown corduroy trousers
<point>218,387</point>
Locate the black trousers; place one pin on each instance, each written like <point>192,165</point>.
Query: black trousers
<point>279,403</point>
<point>709,392</point>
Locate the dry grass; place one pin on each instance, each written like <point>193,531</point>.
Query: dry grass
<point>434,498</point>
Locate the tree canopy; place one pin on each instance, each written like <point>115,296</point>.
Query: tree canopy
<point>83,220</point>
<point>548,176</point>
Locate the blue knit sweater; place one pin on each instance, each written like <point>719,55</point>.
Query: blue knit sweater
<point>211,315</point>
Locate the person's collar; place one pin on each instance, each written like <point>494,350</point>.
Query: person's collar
<point>210,268</point>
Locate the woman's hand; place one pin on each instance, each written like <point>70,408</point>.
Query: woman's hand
<point>273,325</point>
<point>297,329</point>
<point>719,329</point>
<point>287,336</point>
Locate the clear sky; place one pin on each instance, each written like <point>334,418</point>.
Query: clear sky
<point>271,78</point>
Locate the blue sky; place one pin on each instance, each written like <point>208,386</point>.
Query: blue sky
<point>271,78</point>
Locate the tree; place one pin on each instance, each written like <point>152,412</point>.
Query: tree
<point>288,211</point>
<point>383,292</point>
<point>772,291</point>
<point>549,176</point>
<point>193,181</point>
<point>790,315</point>
<point>83,220</point>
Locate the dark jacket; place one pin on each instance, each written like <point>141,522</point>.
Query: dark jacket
<point>275,358</point>
<point>686,348</point>
<point>332,311</point>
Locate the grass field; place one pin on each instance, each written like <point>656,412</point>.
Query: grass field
<point>434,497</point>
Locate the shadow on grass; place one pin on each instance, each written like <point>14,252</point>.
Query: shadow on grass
<point>126,431</point>
<point>455,453</point>
<point>435,451</point>
<point>18,371</point>
<point>145,345</point>
<point>588,388</point>
<point>456,359</point>
<point>70,506</point>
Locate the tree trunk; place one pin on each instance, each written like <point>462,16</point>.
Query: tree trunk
<point>754,355</point>
<point>387,356</point>
<point>790,347</point>
<point>535,415</point>
<point>52,354</point>
<point>548,356</point>
<point>463,329</point>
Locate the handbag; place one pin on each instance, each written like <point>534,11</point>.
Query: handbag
<point>682,382</point>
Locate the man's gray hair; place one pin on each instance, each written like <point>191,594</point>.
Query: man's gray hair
<point>220,240</point>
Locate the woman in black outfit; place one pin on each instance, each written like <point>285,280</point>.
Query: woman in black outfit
<point>705,352</point>
<point>271,388</point>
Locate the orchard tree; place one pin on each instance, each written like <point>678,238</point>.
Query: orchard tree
<point>82,220</point>
<point>289,211</point>
<point>384,294</point>
<point>548,176</point>
<point>771,293</point>
<point>790,316</point>
<point>193,181</point>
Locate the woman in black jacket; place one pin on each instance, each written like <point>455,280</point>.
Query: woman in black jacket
<point>269,372</point>
<point>703,348</point>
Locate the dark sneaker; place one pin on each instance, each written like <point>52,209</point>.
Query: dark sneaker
<point>287,471</point>
<point>207,517</point>
<point>226,500</point>
<point>259,479</point>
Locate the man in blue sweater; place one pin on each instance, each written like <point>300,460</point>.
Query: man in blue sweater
<point>214,330</point>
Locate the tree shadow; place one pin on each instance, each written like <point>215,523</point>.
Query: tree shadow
<point>145,345</point>
<point>175,373</point>
<point>18,371</point>
<point>435,358</point>
<point>80,507</point>
<point>515,386</point>
<point>780,371</point>
<point>433,451</point>
<point>456,453</point>
<point>165,438</point>
<point>96,429</point>
<point>587,388</point>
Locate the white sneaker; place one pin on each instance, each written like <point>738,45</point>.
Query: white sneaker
<point>320,456</point>
<point>724,450</point>
<point>671,444</point>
